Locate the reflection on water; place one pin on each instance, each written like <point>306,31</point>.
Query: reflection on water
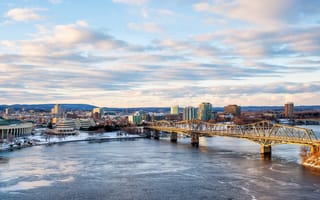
<point>266,157</point>
<point>3,160</point>
<point>26,185</point>
<point>221,168</point>
<point>34,167</point>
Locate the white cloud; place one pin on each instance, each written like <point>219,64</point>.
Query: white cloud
<point>76,36</point>
<point>144,13</point>
<point>203,7</point>
<point>63,40</point>
<point>218,63</point>
<point>55,1</point>
<point>263,13</point>
<point>147,27</point>
<point>35,48</point>
<point>82,23</point>
<point>165,12</point>
<point>132,2</point>
<point>8,43</point>
<point>257,43</point>
<point>70,34</point>
<point>23,14</point>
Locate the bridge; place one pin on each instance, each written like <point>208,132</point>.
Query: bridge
<point>264,133</point>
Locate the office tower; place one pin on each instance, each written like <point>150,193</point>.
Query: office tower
<point>233,109</point>
<point>205,111</point>
<point>8,111</point>
<point>56,110</point>
<point>189,113</point>
<point>288,110</point>
<point>174,110</point>
<point>97,113</point>
<point>136,118</point>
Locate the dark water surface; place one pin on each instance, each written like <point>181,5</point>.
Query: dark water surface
<point>221,168</point>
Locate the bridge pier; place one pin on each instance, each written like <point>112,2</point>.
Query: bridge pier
<point>314,149</point>
<point>195,139</point>
<point>156,135</point>
<point>266,149</point>
<point>173,137</point>
<point>147,133</point>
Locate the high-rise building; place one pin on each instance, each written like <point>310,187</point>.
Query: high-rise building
<point>174,110</point>
<point>56,110</point>
<point>8,111</point>
<point>205,111</point>
<point>97,113</point>
<point>288,110</point>
<point>136,118</point>
<point>233,109</point>
<point>189,113</point>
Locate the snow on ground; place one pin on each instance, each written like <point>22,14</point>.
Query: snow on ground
<point>41,139</point>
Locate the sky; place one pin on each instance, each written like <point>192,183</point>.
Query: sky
<point>138,53</point>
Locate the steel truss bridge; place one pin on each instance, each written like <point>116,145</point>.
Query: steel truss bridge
<point>264,133</point>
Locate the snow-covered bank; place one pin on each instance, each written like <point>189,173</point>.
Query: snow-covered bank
<point>45,139</point>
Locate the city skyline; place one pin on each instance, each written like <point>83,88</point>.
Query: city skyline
<point>139,53</point>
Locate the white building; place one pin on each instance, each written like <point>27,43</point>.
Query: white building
<point>13,129</point>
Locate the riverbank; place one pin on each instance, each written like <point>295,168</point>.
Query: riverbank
<point>45,139</point>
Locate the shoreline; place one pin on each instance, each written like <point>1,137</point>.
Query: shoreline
<point>59,139</point>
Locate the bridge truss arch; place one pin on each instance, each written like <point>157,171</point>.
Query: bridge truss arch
<point>263,132</point>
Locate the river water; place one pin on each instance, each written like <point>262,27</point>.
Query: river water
<point>221,168</point>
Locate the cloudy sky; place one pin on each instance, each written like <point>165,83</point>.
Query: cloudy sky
<point>129,53</point>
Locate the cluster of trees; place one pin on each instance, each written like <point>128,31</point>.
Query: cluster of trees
<point>106,128</point>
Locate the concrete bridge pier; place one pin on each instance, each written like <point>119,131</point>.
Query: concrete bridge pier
<point>173,137</point>
<point>195,139</point>
<point>266,149</point>
<point>147,133</point>
<point>141,132</point>
<point>314,149</point>
<point>156,135</point>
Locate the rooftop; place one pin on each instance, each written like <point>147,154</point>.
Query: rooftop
<point>4,122</point>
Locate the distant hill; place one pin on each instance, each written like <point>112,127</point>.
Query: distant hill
<point>84,107</point>
<point>277,108</point>
<point>48,107</point>
<point>87,107</point>
<point>145,109</point>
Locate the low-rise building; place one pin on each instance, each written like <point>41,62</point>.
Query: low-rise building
<point>10,129</point>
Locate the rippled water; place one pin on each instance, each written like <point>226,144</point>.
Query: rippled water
<point>221,168</point>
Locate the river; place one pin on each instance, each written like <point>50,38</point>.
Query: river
<point>221,168</point>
